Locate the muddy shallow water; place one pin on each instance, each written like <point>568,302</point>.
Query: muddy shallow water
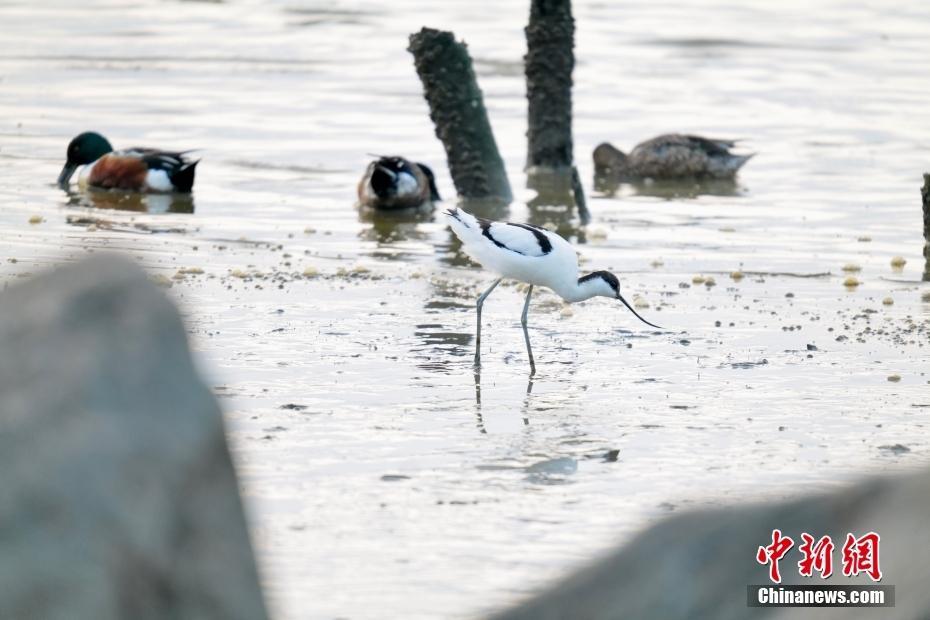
<point>381,478</point>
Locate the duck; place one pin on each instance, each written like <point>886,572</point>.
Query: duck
<point>671,156</point>
<point>392,182</point>
<point>135,169</point>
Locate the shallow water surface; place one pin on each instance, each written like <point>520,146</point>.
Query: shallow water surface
<point>383,478</point>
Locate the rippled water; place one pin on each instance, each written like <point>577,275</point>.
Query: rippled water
<point>383,481</point>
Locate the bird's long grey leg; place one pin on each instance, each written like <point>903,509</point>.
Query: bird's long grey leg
<point>481,299</point>
<point>526,334</point>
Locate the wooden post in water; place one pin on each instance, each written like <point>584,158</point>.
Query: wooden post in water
<point>925,195</point>
<point>457,110</point>
<point>549,62</point>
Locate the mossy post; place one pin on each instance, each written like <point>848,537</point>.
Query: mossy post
<point>457,110</point>
<point>925,196</point>
<point>549,62</point>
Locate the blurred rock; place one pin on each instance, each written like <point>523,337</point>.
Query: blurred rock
<point>118,498</point>
<point>697,566</point>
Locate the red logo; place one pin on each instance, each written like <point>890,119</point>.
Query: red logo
<point>817,556</point>
<point>860,555</point>
<point>773,553</point>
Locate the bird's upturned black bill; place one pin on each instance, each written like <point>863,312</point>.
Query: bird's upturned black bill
<point>66,173</point>
<point>635,313</point>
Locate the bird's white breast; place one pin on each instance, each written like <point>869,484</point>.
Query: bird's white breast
<point>84,174</point>
<point>407,184</point>
<point>158,181</point>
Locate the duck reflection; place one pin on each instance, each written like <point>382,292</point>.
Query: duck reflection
<point>670,189</point>
<point>132,201</point>
<point>389,226</point>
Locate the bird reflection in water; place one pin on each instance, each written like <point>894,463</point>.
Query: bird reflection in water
<point>609,185</point>
<point>388,226</point>
<point>132,201</point>
<point>524,409</point>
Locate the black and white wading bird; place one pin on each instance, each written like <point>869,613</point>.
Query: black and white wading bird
<point>397,183</point>
<point>533,255</point>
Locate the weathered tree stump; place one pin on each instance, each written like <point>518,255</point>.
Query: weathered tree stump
<point>549,61</point>
<point>459,116</point>
<point>925,195</point>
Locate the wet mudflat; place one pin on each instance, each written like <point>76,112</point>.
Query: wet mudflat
<point>383,480</point>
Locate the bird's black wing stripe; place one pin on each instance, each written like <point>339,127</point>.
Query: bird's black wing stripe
<point>544,244</point>
<point>486,231</point>
<point>711,147</point>
<point>160,160</point>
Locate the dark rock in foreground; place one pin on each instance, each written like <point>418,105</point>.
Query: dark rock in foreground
<point>697,566</point>
<point>118,497</point>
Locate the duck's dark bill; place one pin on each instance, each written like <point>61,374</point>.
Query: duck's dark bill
<point>635,313</point>
<point>66,174</point>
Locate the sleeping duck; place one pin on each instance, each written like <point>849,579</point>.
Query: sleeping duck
<point>671,156</point>
<point>396,183</point>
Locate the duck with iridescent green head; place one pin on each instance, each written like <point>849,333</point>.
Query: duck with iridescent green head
<point>135,169</point>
